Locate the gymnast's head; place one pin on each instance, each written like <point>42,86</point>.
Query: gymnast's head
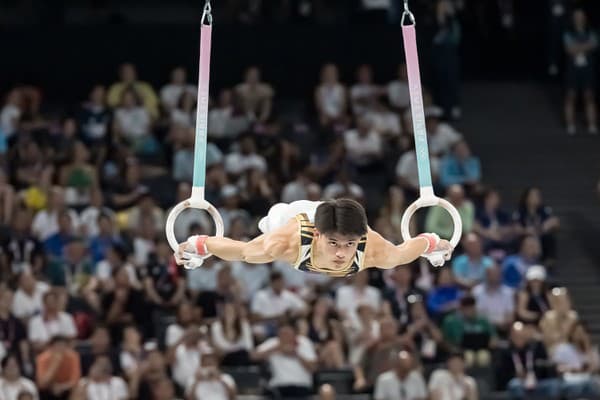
<point>339,225</point>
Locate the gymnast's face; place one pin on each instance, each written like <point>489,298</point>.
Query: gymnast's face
<point>336,249</point>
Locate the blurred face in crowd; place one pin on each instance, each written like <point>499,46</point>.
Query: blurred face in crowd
<point>122,278</point>
<point>493,276</point>
<point>363,126</point>
<point>519,335</point>
<point>178,76</point>
<point>531,248</point>
<point>402,276</point>
<point>57,198</point>
<point>402,72</point>
<point>80,153</point>
<point>69,128</point>
<point>105,224</point>
<point>468,311</point>
<point>164,390</point>
<point>192,336</point>
<point>252,76</point>
<point>313,192</point>
<point>129,99</point>
<point>388,329</point>
<point>321,307</point>
<point>238,229</point>
<point>559,300</point>
<point>184,314</point>
<point>462,150</point>
<point>11,370</point>
<point>456,365</point>
<point>184,190</point>
<point>225,98</point>
<point>326,392</point>
<point>51,304</point>
<point>365,313</point>
<point>98,95</point>
<point>329,74</point>
<point>21,221</point>
<point>132,337</point>
<point>492,200</point>
<point>6,298</point>
<point>76,251</point>
<point>247,146</point>
<point>27,282</point>
<point>101,369</point>
<point>579,20</point>
<point>364,74</point>
<point>472,245</point>
<point>534,198</point>
<point>128,73</point>
<point>277,284</point>
<point>403,364</point>
<point>456,195</point>
<point>100,340</point>
<point>286,335</point>
<point>64,222</point>
<point>445,277</point>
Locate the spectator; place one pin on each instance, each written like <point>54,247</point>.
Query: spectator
<point>361,331</point>
<point>524,367</point>
<point>343,187</point>
<point>292,360</point>
<point>171,93</point>
<point>104,239</point>
<point>99,345</point>
<point>495,300</point>
<point>132,351</point>
<point>349,297</point>
<point>255,96</point>
<point>580,43</point>
<point>90,217</point>
<point>231,335</point>
<point>132,124</point>
<point>385,122</point>
<point>13,334</point>
<point>515,266</point>
<point>227,288</point>
<point>470,268</point>
<point>164,283</point>
<point>364,146</point>
<point>557,323</point>
<point>238,162</point>
<point>397,91</point>
<point>7,196</point>
<point>55,244</point>
<point>101,383</point>
<point>188,355</point>
<point>12,383</point>
<point>129,81</point>
<point>396,296</point>
<point>444,297</point>
<point>28,299</point>
<point>404,382</point>
<point>364,92</point>
<point>51,322</point>
<point>10,115</point>
<point>460,167</point>
<point>392,210</point>
<point>440,136</point>
<point>534,218</point>
<point>439,221</point>
<point>184,112</point>
<point>94,121</point>
<point>163,390</point>
<point>423,332</point>
<point>407,174</point>
<point>23,251</point>
<point>533,298</point>
<point>330,99</point>
<point>187,315</point>
<point>45,222</point>
<point>57,370</point>
<point>453,383</point>
<point>493,224</point>
<point>208,380</point>
<point>467,331</point>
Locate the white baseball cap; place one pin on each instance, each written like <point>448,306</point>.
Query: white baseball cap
<point>536,272</point>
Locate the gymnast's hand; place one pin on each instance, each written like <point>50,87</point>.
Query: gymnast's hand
<point>446,247</point>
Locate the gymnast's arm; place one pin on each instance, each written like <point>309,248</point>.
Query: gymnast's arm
<point>262,249</point>
<point>384,254</point>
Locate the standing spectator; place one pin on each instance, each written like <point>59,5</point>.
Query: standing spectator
<point>439,221</point>
<point>452,382</point>
<point>129,81</point>
<point>446,60</point>
<point>460,167</point>
<point>256,97</point>
<point>57,370</point>
<point>12,383</point>
<point>580,43</point>
<point>171,93</point>
<point>292,360</point>
<point>470,268</point>
<point>209,382</point>
<point>330,98</point>
<point>533,217</point>
<point>404,382</point>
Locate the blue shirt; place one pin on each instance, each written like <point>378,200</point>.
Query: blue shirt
<point>440,297</point>
<point>471,270</point>
<point>514,268</point>
<point>454,171</point>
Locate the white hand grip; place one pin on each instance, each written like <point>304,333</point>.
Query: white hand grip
<point>191,260</point>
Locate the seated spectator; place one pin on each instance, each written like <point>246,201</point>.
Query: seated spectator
<point>440,135</point>
<point>188,355</point>
<point>364,92</point>
<point>396,295</point>
<point>557,323</point>
<point>130,188</point>
<point>452,382</point>
<point>364,146</point>
<point>225,120</point>
<point>470,268</point>
<point>515,266</point>
<point>12,383</point>
<point>361,332</point>
<point>28,299</point>
<point>94,122</point>
<point>144,240</point>
<point>460,167</point>
<point>146,207</point>
<point>394,206</point>
<point>495,300</point>
<point>55,244</point>
<point>89,217</point>
<point>439,221</point>
<point>23,251</point>
<point>132,351</point>
<point>376,358</point>
<point>163,389</point>
<point>534,218</point>
<point>297,189</point>
<point>423,332</point>
<point>10,115</point>
<point>323,328</point>
<point>227,289</point>
<point>231,335</point>
<point>13,334</point>
<point>576,361</point>
<point>524,368</point>
<point>57,369</point>
<point>246,157</point>
<point>343,187</point>
<point>403,382</point>
<point>99,345</point>
<point>132,125</point>
<point>171,93</point>
<point>275,302</point>
<point>255,96</point>
<point>493,224</point>
<point>251,277</point>
<point>292,360</point>
<point>184,112</point>
<point>407,173</point>
<point>209,380</point>
<point>187,316</point>
<point>468,331</point>
<point>397,91</point>
<point>331,99</point>
<point>52,322</point>
<point>444,298</point>
<point>205,278</point>
<point>101,383</point>
<point>384,121</point>
<point>129,81</point>
<point>45,222</point>
<point>348,297</point>
<point>164,283</point>
<point>74,272</point>
<point>79,177</point>
<point>116,258</point>
<point>256,192</point>
<point>104,239</point>
<point>154,372</point>
<point>532,300</point>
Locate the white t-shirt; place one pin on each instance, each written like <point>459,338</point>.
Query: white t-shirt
<point>9,117</point>
<point>361,94</point>
<point>332,98</point>
<point>88,219</point>
<point>348,298</point>
<point>25,306</point>
<point>45,223</point>
<point>376,4</point>
<point>398,94</point>
<point>213,389</point>
<point>407,167</point>
<point>286,370</point>
<point>114,389</point>
<point>495,305</point>
<point>42,331</point>
<point>134,122</point>
<point>218,121</point>
<point>252,277</point>
<point>441,142</point>
<point>187,361</point>
<point>174,334</point>
<point>180,117</point>
<point>171,93</point>
<point>389,387</point>
<point>450,388</point>
<point>335,189</point>
<point>223,344</point>
<point>268,304</point>
<point>204,278</point>
<point>10,390</point>
<point>386,122</point>
<point>237,163</point>
<point>362,149</point>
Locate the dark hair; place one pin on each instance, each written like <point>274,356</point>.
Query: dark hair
<point>467,301</point>
<point>7,358</point>
<point>275,275</point>
<point>344,216</point>
<point>455,354</point>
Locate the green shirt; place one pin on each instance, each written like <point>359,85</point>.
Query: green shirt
<point>439,221</point>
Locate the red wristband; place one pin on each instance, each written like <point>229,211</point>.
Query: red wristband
<point>430,240</point>
<point>201,245</point>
